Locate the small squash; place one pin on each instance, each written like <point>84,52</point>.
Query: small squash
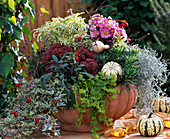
<point>111,68</point>
<point>149,125</point>
<point>161,104</point>
<point>98,46</point>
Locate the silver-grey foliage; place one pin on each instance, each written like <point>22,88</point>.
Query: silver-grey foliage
<point>152,75</point>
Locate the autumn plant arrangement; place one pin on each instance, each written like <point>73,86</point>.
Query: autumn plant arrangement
<point>85,66</point>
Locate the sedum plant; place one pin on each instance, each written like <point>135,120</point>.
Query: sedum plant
<point>31,112</point>
<point>126,57</point>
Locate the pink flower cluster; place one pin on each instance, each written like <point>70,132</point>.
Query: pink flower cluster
<point>102,27</point>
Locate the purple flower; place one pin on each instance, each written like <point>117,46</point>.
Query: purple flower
<point>24,47</point>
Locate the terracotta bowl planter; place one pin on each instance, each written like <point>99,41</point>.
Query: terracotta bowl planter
<point>123,103</point>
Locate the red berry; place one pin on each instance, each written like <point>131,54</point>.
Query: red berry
<point>76,54</point>
<point>13,112</point>
<point>124,24</point>
<point>17,85</point>
<point>22,59</point>
<point>120,26</point>
<point>36,120</point>
<point>128,39</point>
<point>77,59</point>
<point>16,114</point>
<point>79,38</point>
<point>29,100</point>
<point>20,84</point>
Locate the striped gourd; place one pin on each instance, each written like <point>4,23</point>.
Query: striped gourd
<point>161,105</point>
<point>149,125</point>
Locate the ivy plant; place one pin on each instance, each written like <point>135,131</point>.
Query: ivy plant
<point>12,26</point>
<point>31,112</point>
<point>95,92</point>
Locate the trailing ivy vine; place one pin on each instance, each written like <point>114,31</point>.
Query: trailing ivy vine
<point>95,92</point>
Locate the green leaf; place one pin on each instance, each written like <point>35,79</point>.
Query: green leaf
<point>35,47</point>
<point>6,63</point>
<point>11,4</point>
<point>55,58</point>
<point>144,3</point>
<point>25,19</point>
<point>85,73</point>
<point>57,122</point>
<point>47,127</point>
<point>30,11</point>
<point>17,32</point>
<point>0,33</point>
<point>19,76</point>
<point>76,69</point>
<point>44,79</point>
<point>27,31</point>
<point>144,27</point>
<point>57,133</point>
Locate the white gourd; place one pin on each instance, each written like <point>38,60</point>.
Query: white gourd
<point>98,46</point>
<point>112,68</point>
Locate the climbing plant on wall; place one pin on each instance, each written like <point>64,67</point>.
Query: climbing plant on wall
<point>12,27</point>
